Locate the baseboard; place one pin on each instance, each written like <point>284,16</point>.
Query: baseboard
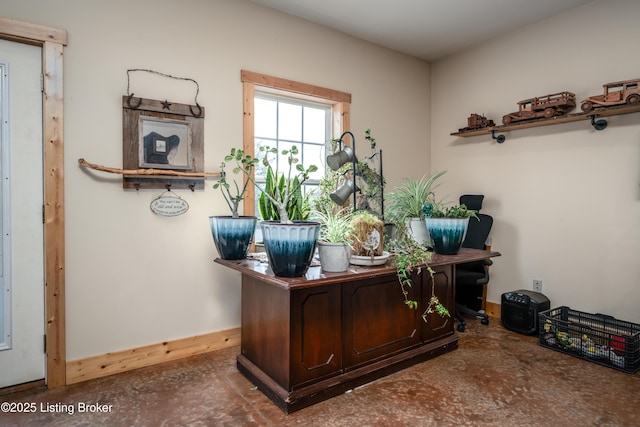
<point>493,309</point>
<point>127,360</point>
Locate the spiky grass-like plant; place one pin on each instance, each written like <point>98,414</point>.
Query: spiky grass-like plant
<point>336,225</point>
<point>407,200</point>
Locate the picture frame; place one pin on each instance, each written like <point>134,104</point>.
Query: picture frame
<point>164,143</point>
<point>174,137</point>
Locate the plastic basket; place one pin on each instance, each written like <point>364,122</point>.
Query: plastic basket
<point>595,337</point>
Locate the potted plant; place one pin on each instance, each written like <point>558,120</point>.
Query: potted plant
<point>410,257</point>
<point>232,235</point>
<point>367,238</point>
<point>447,226</point>
<point>334,243</point>
<point>289,244</point>
<point>404,205</point>
<point>298,207</point>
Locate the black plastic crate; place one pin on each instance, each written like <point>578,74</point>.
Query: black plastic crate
<point>595,337</point>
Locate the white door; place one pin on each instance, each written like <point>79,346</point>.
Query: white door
<point>22,355</point>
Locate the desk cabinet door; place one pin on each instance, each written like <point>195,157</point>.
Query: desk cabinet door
<point>377,322</point>
<point>437,326</point>
<point>316,345</point>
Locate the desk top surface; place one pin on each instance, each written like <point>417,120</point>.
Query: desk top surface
<point>316,277</point>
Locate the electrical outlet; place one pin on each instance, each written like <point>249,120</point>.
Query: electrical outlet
<point>537,285</point>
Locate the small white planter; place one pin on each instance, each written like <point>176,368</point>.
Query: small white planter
<point>334,257</point>
<point>419,232</point>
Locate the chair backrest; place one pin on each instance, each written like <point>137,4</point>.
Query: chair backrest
<point>479,229</point>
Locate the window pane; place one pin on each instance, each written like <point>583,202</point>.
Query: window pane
<point>290,122</point>
<point>260,169</point>
<point>314,155</point>
<point>311,191</point>
<point>314,125</point>
<point>265,113</point>
<point>302,124</point>
<point>283,162</point>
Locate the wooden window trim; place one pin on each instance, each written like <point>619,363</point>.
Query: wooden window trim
<point>340,108</point>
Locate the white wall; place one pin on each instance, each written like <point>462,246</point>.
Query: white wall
<point>565,198</point>
<point>134,278</point>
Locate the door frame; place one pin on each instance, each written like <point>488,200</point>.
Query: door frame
<point>52,42</point>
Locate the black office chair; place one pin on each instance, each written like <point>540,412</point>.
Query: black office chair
<point>471,277</point>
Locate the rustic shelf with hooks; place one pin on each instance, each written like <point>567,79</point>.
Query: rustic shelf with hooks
<point>593,116</point>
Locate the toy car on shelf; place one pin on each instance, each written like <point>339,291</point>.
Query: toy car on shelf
<point>477,121</point>
<point>615,93</point>
<point>547,106</point>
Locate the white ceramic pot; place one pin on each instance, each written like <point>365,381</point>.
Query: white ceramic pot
<point>418,230</point>
<point>334,257</point>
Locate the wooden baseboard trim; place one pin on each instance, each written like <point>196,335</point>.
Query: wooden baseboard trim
<point>493,309</point>
<point>127,360</point>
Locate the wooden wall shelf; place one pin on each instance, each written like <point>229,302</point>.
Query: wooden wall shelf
<point>591,115</point>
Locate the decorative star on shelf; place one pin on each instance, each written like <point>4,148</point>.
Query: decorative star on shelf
<point>166,105</point>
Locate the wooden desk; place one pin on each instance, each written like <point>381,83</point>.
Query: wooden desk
<point>310,338</point>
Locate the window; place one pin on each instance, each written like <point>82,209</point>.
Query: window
<point>280,112</point>
<point>282,122</point>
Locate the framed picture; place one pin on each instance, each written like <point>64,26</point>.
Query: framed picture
<point>162,135</point>
<point>164,143</point>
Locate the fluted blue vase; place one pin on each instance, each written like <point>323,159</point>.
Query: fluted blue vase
<point>447,234</point>
<point>290,247</point>
<point>232,236</point>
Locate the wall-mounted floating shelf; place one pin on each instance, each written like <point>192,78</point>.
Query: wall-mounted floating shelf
<point>593,116</point>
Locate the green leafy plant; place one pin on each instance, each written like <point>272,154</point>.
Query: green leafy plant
<point>439,210</point>
<point>410,257</point>
<point>368,137</point>
<point>295,176</point>
<point>367,178</point>
<point>275,185</point>
<point>235,196</point>
<point>407,200</point>
<point>336,225</point>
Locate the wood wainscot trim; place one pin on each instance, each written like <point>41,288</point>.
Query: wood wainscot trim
<point>141,357</point>
<point>493,309</point>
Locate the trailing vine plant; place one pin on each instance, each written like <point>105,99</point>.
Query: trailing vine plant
<point>410,257</point>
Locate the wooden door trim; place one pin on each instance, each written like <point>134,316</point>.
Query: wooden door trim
<point>52,41</point>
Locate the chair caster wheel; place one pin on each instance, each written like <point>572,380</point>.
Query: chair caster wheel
<point>484,321</point>
<point>461,327</point>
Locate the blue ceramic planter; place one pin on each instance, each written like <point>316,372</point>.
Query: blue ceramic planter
<point>232,236</point>
<point>290,247</point>
<point>447,234</point>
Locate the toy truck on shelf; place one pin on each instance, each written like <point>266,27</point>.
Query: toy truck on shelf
<point>547,106</point>
<point>615,93</point>
<point>477,121</point>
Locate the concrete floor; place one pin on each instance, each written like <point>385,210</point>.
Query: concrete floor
<point>495,378</point>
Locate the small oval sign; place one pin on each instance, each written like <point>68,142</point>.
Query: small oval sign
<point>169,206</point>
